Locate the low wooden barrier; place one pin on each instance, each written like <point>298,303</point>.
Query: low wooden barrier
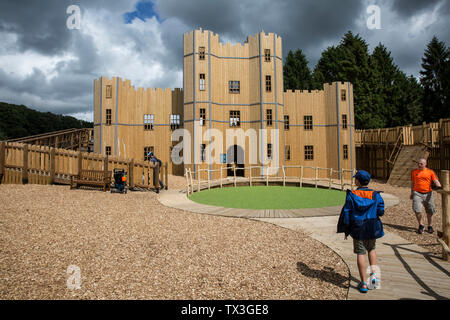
<point>23,163</point>
<point>335,179</point>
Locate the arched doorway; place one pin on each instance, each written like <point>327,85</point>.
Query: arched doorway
<point>236,155</point>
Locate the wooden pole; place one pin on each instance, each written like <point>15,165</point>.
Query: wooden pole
<point>187,180</point>
<point>198,179</point>
<point>445,193</point>
<point>331,176</point>
<point>284,177</point>
<point>166,182</point>
<point>221,176</point>
<point>52,165</point>
<point>301,176</point>
<point>315,175</point>
<point>156,177</point>
<point>131,174</point>
<point>341,173</point>
<point>250,175</point>
<point>25,164</point>
<point>234,170</point>
<point>192,181</point>
<point>2,159</point>
<point>267,177</point>
<point>209,180</point>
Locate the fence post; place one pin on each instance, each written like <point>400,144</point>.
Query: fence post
<point>131,173</point>
<point>331,176</point>
<point>284,177</point>
<point>80,162</point>
<point>234,169</point>
<point>315,175</point>
<point>52,165</point>
<point>341,173</point>
<point>166,176</point>
<point>2,159</point>
<point>156,177</point>
<point>25,164</point>
<point>301,176</point>
<point>209,180</point>
<point>445,193</point>
<point>250,178</point>
<point>198,178</point>
<point>187,181</point>
<point>221,176</point>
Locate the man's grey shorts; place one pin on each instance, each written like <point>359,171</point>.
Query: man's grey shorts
<point>423,199</point>
<point>360,246</point>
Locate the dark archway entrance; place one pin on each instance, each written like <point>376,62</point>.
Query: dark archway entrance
<point>236,156</point>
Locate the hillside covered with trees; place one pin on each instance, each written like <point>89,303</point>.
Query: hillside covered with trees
<point>18,121</point>
<point>384,96</point>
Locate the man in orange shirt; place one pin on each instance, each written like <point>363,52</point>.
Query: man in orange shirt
<point>422,194</point>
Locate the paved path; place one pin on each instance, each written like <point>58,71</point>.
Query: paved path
<point>407,270</point>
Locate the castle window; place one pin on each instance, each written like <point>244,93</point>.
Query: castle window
<point>268,83</point>
<point>286,122</point>
<point>234,86</point>
<point>344,121</point>
<point>269,151</point>
<point>269,117</point>
<point>174,121</point>
<point>108,117</point>
<point>108,150</point>
<point>148,121</point>
<point>267,55</point>
<point>343,95</point>
<point>147,150</point>
<point>203,152</point>
<point>235,118</point>
<point>108,91</point>
<point>308,122</point>
<point>202,81</point>
<point>202,116</point>
<point>201,53</point>
<point>309,152</point>
<point>287,152</point>
<point>345,148</point>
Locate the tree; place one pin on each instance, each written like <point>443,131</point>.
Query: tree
<point>434,78</point>
<point>296,73</point>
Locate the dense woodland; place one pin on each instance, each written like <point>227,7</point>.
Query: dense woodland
<point>19,121</point>
<point>384,96</point>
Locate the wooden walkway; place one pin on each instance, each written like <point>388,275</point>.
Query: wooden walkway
<point>407,270</point>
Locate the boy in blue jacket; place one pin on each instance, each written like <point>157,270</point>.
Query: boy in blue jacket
<point>360,219</point>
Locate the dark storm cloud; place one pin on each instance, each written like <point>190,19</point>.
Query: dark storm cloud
<point>407,8</point>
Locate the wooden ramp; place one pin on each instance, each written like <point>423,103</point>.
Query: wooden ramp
<point>405,163</point>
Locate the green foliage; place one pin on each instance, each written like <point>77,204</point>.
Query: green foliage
<point>18,121</point>
<point>435,78</point>
<point>296,73</point>
<point>384,96</point>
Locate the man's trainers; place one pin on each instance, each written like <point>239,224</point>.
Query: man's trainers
<point>420,231</point>
<point>430,229</point>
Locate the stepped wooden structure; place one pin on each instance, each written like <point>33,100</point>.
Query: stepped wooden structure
<point>391,153</point>
<point>69,139</point>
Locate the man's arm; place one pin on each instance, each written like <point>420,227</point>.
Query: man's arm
<point>437,183</point>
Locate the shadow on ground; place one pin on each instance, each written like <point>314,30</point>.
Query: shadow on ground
<point>327,274</point>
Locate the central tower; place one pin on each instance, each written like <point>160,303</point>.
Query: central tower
<point>233,88</point>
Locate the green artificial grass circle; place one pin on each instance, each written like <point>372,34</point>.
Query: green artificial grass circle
<point>270,197</point>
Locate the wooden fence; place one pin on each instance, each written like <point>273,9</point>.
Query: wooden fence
<point>337,179</point>
<point>23,163</point>
<point>374,147</point>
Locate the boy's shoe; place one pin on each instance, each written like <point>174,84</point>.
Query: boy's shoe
<point>420,231</point>
<point>430,229</point>
<point>361,288</point>
<point>373,281</point>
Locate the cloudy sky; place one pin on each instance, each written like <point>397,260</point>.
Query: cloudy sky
<point>49,67</point>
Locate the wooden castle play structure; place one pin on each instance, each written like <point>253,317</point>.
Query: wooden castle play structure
<point>235,89</point>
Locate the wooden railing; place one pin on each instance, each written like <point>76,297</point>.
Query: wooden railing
<point>429,134</point>
<point>23,163</point>
<point>336,179</point>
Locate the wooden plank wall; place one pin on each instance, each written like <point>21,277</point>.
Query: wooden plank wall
<point>22,163</point>
<point>374,146</point>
